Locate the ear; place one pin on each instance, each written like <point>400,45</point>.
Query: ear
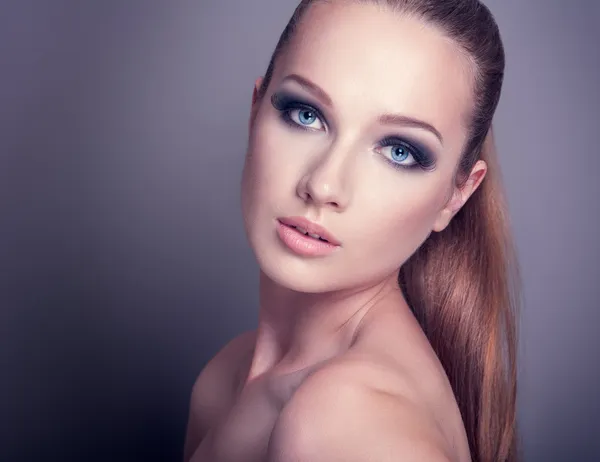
<point>255,102</point>
<point>460,196</point>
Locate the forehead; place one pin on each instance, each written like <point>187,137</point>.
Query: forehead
<point>372,60</point>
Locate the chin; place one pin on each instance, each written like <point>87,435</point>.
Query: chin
<point>298,274</point>
<point>312,275</point>
<point>304,274</point>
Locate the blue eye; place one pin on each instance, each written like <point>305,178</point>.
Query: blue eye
<point>300,115</point>
<point>295,113</point>
<point>400,153</point>
<point>404,155</point>
<point>306,116</point>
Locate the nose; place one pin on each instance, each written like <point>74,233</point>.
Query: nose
<point>326,184</point>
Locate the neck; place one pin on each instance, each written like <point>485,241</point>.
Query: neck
<point>296,330</point>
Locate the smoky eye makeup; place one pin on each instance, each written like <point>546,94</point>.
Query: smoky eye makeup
<point>285,102</point>
<point>402,147</point>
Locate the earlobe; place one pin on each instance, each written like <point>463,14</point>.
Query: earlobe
<point>460,196</point>
<point>452,206</point>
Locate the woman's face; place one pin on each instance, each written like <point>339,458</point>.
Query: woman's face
<point>360,132</point>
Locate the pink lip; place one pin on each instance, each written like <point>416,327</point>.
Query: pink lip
<point>311,227</point>
<point>302,244</point>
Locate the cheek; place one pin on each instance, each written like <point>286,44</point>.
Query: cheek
<point>401,216</point>
<point>407,221</point>
<point>270,171</point>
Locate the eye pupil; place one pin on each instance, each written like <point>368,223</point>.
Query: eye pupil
<point>399,153</point>
<point>309,117</point>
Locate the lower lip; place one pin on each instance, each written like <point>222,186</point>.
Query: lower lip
<point>302,244</point>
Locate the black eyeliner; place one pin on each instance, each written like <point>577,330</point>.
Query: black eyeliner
<point>424,159</point>
<point>284,102</point>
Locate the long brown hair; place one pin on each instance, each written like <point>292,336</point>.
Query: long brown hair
<point>463,283</point>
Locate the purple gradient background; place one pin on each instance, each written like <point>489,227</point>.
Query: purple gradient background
<point>123,263</point>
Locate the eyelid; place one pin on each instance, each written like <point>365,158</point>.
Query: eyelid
<point>423,157</point>
<point>410,142</point>
<point>285,101</point>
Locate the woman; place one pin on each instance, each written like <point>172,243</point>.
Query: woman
<point>371,200</point>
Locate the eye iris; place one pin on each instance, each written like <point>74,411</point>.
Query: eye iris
<point>307,117</point>
<point>399,153</point>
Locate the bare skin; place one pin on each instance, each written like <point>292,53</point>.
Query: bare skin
<point>237,417</point>
<point>338,368</point>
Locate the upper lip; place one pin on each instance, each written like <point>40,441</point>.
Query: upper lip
<point>310,227</point>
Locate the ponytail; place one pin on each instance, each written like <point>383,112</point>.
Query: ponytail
<point>463,287</point>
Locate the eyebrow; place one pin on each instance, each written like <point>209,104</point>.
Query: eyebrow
<point>385,119</point>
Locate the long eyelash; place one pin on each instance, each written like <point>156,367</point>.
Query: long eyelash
<point>287,103</point>
<point>423,160</point>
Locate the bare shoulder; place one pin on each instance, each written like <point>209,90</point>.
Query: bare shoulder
<point>339,413</point>
<point>210,396</point>
<point>221,369</point>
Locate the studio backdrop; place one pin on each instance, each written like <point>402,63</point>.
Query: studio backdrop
<point>123,261</point>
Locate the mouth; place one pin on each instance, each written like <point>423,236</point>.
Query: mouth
<point>306,233</point>
<point>306,238</point>
<point>309,229</point>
